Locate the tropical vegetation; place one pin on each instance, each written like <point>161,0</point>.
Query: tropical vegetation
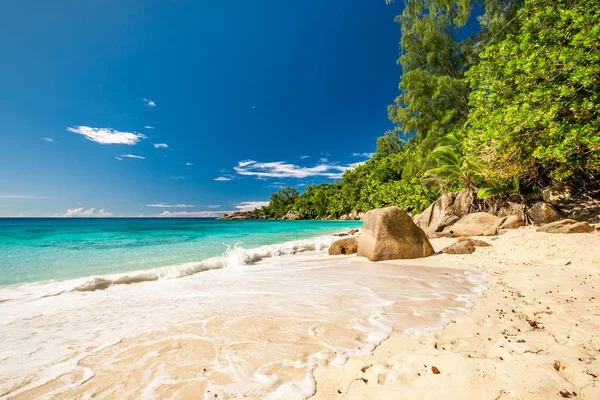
<point>514,107</point>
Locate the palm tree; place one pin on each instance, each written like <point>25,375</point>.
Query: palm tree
<point>452,167</point>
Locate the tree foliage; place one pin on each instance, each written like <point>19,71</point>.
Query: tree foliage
<point>516,102</point>
<point>535,104</point>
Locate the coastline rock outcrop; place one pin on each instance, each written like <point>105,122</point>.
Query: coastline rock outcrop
<point>353,216</point>
<point>463,247</point>
<point>464,203</point>
<point>344,246</point>
<point>512,222</point>
<point>558,194</point>
<point>566,226</point>
<point>543,213</point>
<point>390,234</point>
<point>241,215</point>
<point>438,215</point>
<point>477,224</point>
<point>291,215</point>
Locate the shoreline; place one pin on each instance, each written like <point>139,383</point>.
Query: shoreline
<point>166,256</point>
<point>534,333</point>
<point>232,330</point>
<point>531,334</point>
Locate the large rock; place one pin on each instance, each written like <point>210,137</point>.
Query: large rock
<point>390,234</point>
<point>566,226</point>
<point>463,247</point>
<point>558,194</point>
<point>291,215</point>
<point>543,213</point>
<point>477,224</point>
<point>463,203</point>
<point>438,215</point>
<point>344,246</point>
<point>512,222</point>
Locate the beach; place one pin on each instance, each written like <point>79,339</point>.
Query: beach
<point>518,319</point>
<point>534,333</point>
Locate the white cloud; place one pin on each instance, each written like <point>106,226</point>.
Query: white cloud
<point>367,155</point>
<point>304,157</point>
<point>19,197</point>
<point>160,145</point>
<point>48,139</point>
<point>323,160</point>
<point>82,212</point>
<point>148,102</point>
<point>189,164</point>
<point>107,135</point>
<point>213,206</point>
<point>148,127</point>
<point>130,156</point>
<point>251,205</point>
<point>223,179</point>
<point>281,169</point>
<point>191,214</point>
<point>163,205</point>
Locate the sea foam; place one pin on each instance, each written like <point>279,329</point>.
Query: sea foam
<point>256,322</point>
<point>235,255</point>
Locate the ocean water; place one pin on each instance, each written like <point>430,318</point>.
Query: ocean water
<point>200,309</point>
<point>39,249</point>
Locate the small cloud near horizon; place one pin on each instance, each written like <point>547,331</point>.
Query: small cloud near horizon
<point>160,145</point>
<point>223,179</point>
<point>304,157</point>
<point>148,102</point>
<point>82,212</point>
<point>251,205</point>
<point>188,164</point>
<point>163,205</point>
<point>191,214</point>
<point>49,140</point>
<point>148,127</point>
<point>107,135</point>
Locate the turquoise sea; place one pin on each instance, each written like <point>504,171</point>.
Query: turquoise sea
<point>41,249</point>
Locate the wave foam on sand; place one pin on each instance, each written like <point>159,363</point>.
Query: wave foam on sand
<point>256,322</point>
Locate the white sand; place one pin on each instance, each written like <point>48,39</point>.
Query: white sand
<point>535,333</point>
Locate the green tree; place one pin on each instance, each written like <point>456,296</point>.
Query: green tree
<point>281,202</point>
<point>389,143</point>
<point>536,95</point>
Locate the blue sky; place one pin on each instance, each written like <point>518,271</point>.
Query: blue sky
<point>133,106</point>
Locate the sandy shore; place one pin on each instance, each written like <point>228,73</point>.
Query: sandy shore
<point>534,334</point>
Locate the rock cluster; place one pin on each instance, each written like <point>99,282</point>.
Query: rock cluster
<point>566,226</point>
